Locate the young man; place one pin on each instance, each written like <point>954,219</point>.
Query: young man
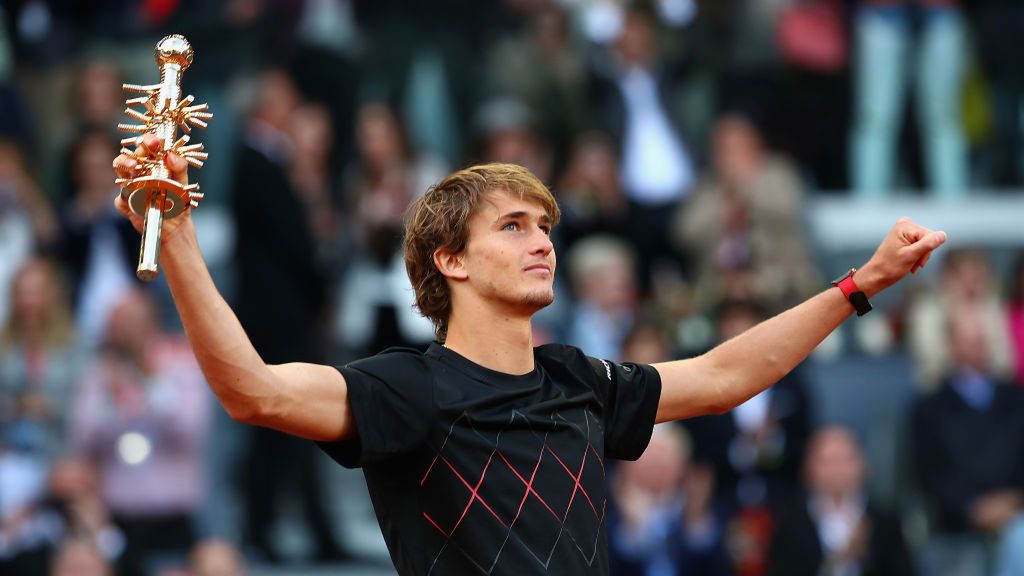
<point>485,454</point>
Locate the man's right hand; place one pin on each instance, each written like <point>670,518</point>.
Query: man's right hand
<point>992,510</point>
<point>125,166</point>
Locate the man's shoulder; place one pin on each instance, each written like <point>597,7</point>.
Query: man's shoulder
<point>390,361</point>
<point>558,351</point>
<point>564,355</point>
<point>564,358</point>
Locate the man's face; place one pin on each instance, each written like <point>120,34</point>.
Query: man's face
<point>968,343</point>
<point>835,465</point>
<point>509,257</point>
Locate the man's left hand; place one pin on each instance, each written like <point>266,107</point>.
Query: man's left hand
<point>905,250</point>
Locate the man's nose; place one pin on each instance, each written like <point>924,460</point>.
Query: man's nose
<point>541,242</point>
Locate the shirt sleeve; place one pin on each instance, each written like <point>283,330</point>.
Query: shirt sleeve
<point>630,393</point>
<point>392,401</point>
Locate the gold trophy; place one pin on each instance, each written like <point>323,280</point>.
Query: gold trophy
<point>153,194</point>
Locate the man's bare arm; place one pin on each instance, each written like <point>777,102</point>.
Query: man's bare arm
<point>306,400</point>
<point>742,367</point>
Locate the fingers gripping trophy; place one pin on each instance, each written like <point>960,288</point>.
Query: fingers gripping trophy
<point>151,193</point>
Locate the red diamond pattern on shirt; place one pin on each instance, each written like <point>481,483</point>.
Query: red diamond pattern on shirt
<point>563,477</point>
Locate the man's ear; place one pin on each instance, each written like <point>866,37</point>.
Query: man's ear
<point>450,264</point>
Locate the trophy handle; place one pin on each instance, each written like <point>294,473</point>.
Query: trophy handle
<point>149,250</point>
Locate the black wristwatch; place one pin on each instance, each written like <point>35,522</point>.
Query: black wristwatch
<point>853,294</point>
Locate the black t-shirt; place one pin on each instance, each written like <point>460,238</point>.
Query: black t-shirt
<point>473,471</point>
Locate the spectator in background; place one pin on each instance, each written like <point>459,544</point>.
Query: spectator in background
<point>375,307</point>
<point>968,447</point>
<point>966,284</point>
<point>632,98</point>
<point>756,449</point>
<point>98,101</point>
<point>997,24</point>
<point>277,264</point>
<point>601,271</point>
<point>835,530</point>
<point>314,176</point>
<point>792,63</point>
<point>36,514</point>
<point>26,534</point>
<point>388,174</point>
<point>508,132</point>
<point>213,557</point>
<point>1015,317</point>
<point>589,192</point>
<point>276,252</point>
<point>98,250</point>
<point>21,191</point>
<point>39,359</point>
<point>93,102</point>
<point>645,344</point>
<point>27,222</point>
<point>744,225</point>
<point>424,57</point>
<point>883,40</point>
<point>325,69</point>
<point>74,495</point>
<point>141,414</point>
<point>539,66</point>
<point>663,520</point>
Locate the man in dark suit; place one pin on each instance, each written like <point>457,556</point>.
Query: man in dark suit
<point>279,302</point>
<point>631,90</point>
<point>835,530</point>
<point>663,519</point>
<point>969,446</point>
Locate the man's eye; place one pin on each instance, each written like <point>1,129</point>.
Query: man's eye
<point>546,230</point>
<point>511,227</point>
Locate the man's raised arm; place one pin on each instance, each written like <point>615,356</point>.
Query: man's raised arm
<point>306,400</point>
<point>740,368</point>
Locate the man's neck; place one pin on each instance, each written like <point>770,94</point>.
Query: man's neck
<point>502,343</point>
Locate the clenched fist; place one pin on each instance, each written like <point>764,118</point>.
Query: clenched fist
<point>126,166</point>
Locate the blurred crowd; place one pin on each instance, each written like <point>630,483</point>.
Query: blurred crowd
<point>682,139</point>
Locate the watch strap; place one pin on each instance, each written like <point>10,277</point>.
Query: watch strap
<point>853,294</point>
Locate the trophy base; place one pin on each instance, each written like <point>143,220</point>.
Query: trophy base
<point>138,192</point>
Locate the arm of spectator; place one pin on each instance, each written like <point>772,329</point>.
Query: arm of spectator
<point>740,368</point>
<point>306,400</point>
<point>697,222</point>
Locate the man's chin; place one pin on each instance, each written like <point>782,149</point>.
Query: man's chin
<point>539,299</point>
